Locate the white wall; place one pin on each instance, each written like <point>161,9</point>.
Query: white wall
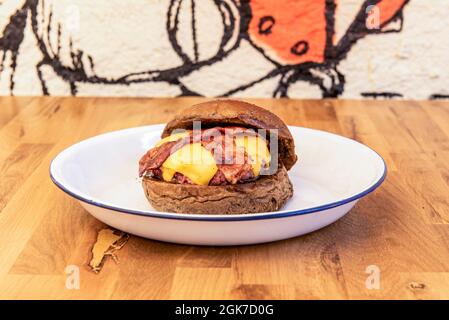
<point>126,37</point>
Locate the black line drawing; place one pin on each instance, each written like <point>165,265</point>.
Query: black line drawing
<point>236,16</point>
<point>439,96</point>
<point>386,95</point>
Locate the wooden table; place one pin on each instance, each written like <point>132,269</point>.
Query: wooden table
<point>403,227</point>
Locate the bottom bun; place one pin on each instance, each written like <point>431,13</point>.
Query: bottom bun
<point>268,193</point>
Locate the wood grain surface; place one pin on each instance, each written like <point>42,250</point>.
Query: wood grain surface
<point>402,228</point>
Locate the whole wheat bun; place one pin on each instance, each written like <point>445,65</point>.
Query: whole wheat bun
<point>267,193</point>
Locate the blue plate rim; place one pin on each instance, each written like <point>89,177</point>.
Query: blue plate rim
<point>242,217</point>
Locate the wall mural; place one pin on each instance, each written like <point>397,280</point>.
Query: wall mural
<point>297,39</point>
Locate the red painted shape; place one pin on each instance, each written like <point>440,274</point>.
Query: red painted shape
<point>279,26</point>
<point>295,24</point>
<point>388,9</point>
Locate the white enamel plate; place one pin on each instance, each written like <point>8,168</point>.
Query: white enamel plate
<point>332,174</point>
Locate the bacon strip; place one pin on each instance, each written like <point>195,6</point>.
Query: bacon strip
<point>216,140</point>
<point>235,172</point>
<point>155,157</point>
<point>218,179</point>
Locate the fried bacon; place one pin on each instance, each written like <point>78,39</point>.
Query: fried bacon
<point>235,173</point>
<point>155,157</point>
<point>233,165</point>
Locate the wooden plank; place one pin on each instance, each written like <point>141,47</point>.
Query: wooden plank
<point>18,167</point>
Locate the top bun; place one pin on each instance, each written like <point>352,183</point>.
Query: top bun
<point>239,113</point>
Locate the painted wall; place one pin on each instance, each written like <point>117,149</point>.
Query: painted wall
<point>255,48</point>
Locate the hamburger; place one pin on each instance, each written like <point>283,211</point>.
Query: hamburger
<point>220,157</point>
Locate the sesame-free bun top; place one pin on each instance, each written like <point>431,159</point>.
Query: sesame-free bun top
<point>236,113</point>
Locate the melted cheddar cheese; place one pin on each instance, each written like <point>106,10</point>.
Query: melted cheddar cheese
<point>173,137</point>
<point>198,164</point>
<point>193,161</point>
<point>257,151</point>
